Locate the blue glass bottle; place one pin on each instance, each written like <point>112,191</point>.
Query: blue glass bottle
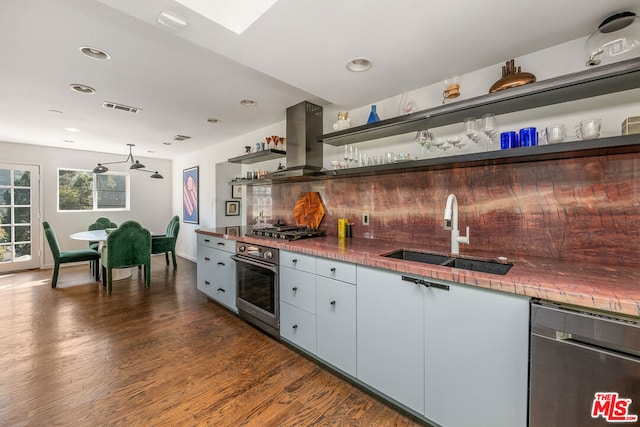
<point>373,116</point>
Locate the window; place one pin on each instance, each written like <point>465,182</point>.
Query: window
<point>81,190</point>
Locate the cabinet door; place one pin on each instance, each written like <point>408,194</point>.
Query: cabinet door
<point>476,359</point>
<point>390,336</point>
<point>298,327</point>
<point>217,275</point>
<point>336,323</point>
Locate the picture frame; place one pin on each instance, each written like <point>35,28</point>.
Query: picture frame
<point>232,208</point>
<point>232,231</point>
<point>190,195</point>
<point>236,191</point>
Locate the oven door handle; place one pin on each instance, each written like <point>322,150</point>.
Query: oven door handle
<point>256,263</point>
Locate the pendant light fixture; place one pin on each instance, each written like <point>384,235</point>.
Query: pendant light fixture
<point>618,34</point>
<point>135,164</point>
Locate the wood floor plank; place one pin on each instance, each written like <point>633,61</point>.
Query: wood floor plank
<point>166,355</point>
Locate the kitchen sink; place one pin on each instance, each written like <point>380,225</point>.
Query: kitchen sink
<point>482,266</point>
<point>447,261</point>
<point>425,258</point>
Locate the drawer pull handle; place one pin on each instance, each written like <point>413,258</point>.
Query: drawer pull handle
<point>221,263</point>
<point>207,240</point>
<point>425,283</point>
<point>221,290</point>
<point>206,282</point>
<point>333,303</point>
<point>295,326</point>
<point>294,289</point>
<point>294,260</point>
<point>221,244</point>
<point>333,269</point>
<point>207,258</point>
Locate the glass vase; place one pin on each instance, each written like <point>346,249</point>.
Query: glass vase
<point>373,116</point>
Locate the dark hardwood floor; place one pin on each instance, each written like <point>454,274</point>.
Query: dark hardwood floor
<point>160,356</point>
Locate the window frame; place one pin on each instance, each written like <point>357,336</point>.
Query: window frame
<point>94,191</point>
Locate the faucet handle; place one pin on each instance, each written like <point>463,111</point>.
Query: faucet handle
<point>463,239</point>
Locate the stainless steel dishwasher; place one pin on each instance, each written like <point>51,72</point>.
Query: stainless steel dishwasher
<point>585,368</point>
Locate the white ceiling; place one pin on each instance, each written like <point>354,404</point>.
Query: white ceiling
<point>296,51</point>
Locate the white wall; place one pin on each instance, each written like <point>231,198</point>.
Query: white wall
<point>150,198</point>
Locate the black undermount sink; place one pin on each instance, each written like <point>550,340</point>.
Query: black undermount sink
<point>463,263</point>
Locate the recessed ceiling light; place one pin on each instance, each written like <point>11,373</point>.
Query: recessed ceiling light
<point>94,53</point>
<point>150,151</point>
<point>82,88</point>
<point>358,65</point>
<point>248,103</point>
<point>171,21</point>
<point>214,120</point>
<point>72,129</point>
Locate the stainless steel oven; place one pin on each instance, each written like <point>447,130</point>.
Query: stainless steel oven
<point>257,296</point>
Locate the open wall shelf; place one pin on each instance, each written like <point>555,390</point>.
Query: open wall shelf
<point>621,76</point>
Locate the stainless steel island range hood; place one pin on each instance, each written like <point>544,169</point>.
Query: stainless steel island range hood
<point>304,152</point>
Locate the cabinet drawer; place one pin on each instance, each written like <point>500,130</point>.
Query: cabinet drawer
<point>217,243</point>
<point>298,288</point>
<point>217,275</point>
<point>298,261</point>
<point>298,327</point>
<point>339,270</point>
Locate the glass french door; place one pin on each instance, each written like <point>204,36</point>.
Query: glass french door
<point>19,217</point>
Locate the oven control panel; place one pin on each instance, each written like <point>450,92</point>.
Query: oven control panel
<point>257,251</point>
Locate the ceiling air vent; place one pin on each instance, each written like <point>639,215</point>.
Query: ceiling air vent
<point>121,107</point>
<point>181,137</point>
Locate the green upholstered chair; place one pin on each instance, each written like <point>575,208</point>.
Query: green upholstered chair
<point>60,257</point>
<point>127,246</point>
<point>167,242</point>
<point>101,223</point>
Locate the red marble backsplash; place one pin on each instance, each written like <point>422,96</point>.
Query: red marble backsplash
<point>584,209</point>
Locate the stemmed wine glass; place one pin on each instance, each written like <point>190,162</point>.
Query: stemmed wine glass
<point>471,129</point>
<point>489,126</point>
<point>424,138</point>
<point>276,141</point>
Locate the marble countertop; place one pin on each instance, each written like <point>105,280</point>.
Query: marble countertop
<point>610,288</point>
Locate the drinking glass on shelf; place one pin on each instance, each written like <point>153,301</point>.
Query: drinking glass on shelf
<point>346,154</point>
<point>456,141</point>
<point>471,129</point>
<point>424,138</point>
<point>489,126</point>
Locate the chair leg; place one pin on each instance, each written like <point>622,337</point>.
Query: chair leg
<point>147,275</point>
<point>104,277</point>
<point>166,257</point>
<point>109,280</point>
<point>173,255</point>
<point>96,269</point>
<point>54,277</point>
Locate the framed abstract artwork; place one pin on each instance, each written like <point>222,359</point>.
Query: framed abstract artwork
<point>190,183</point>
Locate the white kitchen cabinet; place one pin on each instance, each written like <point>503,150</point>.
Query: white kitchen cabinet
<point>336,323</point>
<point>334,269</point>
<point>390,336</point>
<point>298,288</point>
<point>298,327</point>
<point>216,273</point>
<point>476,357</point>
<point>298,300</point>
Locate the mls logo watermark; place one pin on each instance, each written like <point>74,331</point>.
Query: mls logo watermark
<point>612,408</point>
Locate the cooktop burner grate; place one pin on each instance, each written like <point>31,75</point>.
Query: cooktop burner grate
<point>288,232</point>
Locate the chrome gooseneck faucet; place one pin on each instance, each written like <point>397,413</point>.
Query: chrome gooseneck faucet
<point>451,223</point>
